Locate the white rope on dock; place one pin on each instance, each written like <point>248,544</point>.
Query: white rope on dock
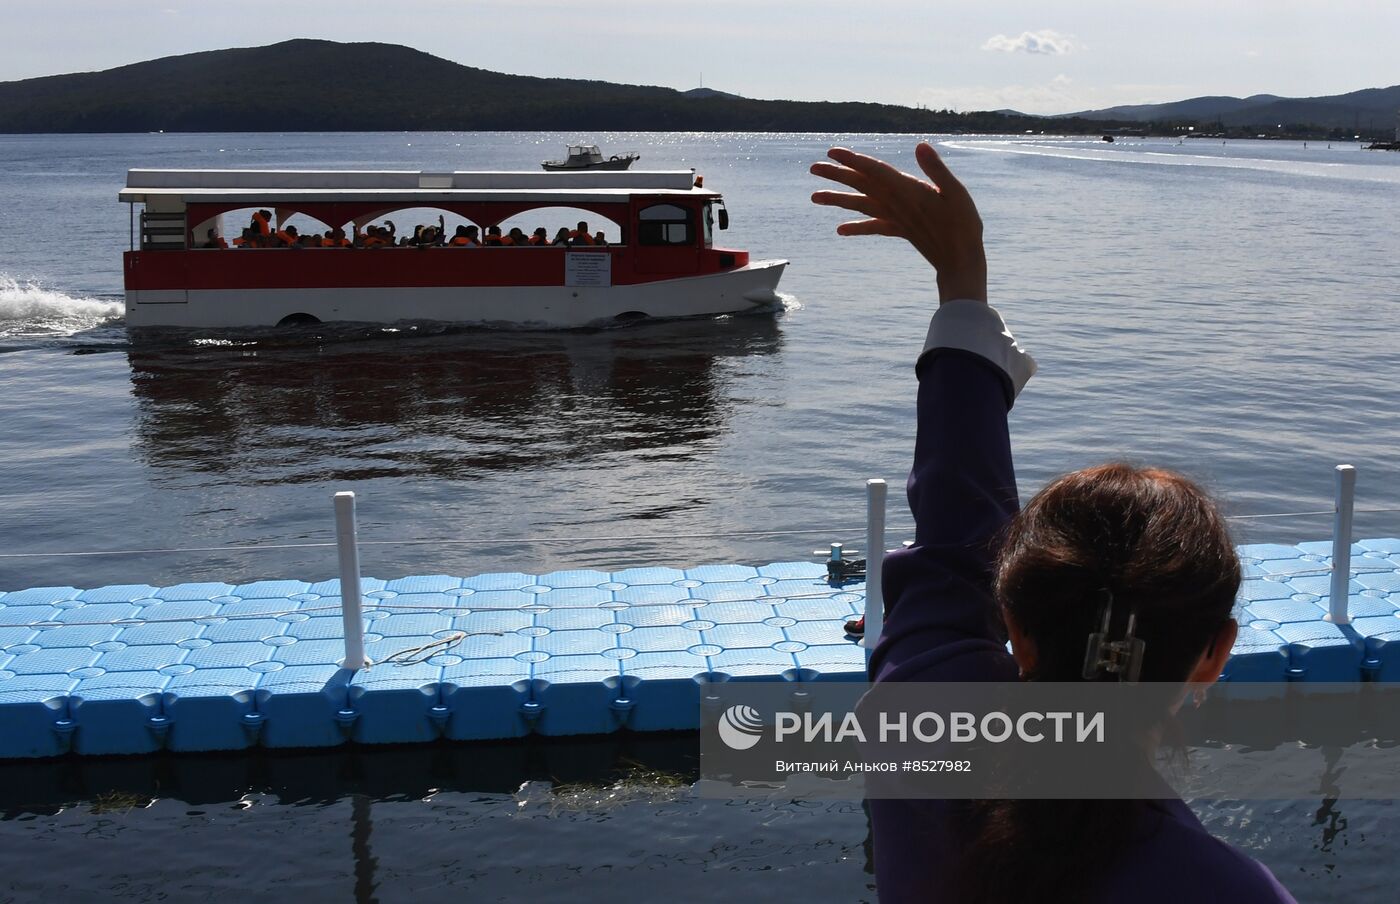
<point>416,655</point>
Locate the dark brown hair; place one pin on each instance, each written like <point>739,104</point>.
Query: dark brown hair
<point>1156,545</point>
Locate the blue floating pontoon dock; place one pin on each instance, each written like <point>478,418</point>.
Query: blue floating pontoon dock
<point>211,666</point>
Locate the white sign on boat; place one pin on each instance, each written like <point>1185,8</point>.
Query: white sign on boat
<point>587,268</point>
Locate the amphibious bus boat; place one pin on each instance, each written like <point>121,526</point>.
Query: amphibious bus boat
<point>197,258</point>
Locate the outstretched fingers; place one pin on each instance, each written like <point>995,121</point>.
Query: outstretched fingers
<point>844,175</point>
<point>872,226</point>
<point>873,169</point>
<point>891,200</point>
<point>849,200</point>
<point>933,166</point>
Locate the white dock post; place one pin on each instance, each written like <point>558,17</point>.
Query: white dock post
<point>875,492</point>
<point>350,602</point>
<point>1340,594</point>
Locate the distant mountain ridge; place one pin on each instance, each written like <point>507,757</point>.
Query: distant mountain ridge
<point>313,85</point>
<point>1368,108</point>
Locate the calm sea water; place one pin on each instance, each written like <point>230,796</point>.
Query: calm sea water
<point>1228,309</point>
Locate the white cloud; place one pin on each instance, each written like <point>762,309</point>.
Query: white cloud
<point>1044,41</point>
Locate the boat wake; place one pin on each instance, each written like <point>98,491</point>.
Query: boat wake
<point>31,314</point>
<point>1222,156</point>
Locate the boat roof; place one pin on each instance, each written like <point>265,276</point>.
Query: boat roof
<point>271,186</point>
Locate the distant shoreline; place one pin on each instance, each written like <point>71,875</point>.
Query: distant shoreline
<point>314,86</point>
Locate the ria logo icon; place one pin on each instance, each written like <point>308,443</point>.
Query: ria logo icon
<point>740,727</point>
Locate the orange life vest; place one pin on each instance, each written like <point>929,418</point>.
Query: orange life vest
<point>287,238</point>
<point>536,240</point>
<point>461,241</point>
<point>262,224</point>
<point>580,238</point>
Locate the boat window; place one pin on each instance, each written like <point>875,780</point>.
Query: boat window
<point>262,227</point>
<point>566,220</point>
<point>664,224</point>
<point>709,224</point>
<point>162,231</point>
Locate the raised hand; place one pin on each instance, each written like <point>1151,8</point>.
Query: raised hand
<point>936,216</point>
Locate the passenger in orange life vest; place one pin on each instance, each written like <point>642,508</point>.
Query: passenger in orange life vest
<point>462,238</point>
<point>580,235</point>
<point>262,222</point>
<point>288,237</point>
<point>493,236</point>
<point>213,241</point>
<point>518,236</point>
<point>380,236</point>
<point>540,237</point>
<point>336,239</point>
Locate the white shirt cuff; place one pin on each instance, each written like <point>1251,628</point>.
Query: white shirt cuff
<point>975,326</point>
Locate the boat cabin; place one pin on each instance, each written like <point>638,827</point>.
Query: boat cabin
<point>584,153</point>
<point>661,225</point>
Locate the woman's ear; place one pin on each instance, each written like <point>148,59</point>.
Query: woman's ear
<point>1212,661</point>
<point>1022,647</point>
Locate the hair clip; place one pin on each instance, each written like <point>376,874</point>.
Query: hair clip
<point>1119,657</point>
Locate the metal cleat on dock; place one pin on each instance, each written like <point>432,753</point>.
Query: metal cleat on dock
<point>840,569</point>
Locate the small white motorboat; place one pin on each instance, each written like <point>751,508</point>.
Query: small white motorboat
<point>588,157</point>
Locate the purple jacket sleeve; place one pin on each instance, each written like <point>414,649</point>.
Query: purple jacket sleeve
<point>941,622</point>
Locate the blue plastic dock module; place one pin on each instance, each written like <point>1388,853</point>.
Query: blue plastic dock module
<point>212,666</point>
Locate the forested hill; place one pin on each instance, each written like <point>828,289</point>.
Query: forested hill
<point>1369,109</point>
<point>309,85</point>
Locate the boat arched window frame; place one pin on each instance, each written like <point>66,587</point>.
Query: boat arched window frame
<point>665,225</point>
<point>354,215</point>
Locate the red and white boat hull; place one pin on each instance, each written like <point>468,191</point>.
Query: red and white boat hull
<point>743,289</point>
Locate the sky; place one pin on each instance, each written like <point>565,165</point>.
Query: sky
<point>1037,57</point>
